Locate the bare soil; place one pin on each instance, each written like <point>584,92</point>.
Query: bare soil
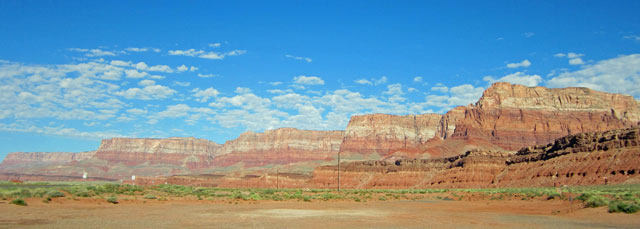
<point>97,213</point>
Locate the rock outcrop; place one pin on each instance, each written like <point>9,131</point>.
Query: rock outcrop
<point>583,159</point>
<point>21,159</point>
<point>191,152</point>
<point>377,135</point>
<point>506,118</point>
<point>514,116</point>
<point>280,146</point>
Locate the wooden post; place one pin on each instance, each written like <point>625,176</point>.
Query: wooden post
<point>277,179</point>
<point>338,171</point>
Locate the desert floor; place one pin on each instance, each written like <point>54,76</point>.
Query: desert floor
<point>89,213</point>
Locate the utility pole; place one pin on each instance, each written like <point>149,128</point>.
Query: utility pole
<point>338,171</point>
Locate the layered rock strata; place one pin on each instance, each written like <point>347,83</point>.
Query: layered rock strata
<point>280,146</point>
<point>582,159</point>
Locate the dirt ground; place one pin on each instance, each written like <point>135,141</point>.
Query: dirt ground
<point>96,213</point>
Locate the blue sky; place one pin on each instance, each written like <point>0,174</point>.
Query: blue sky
<point>72,73</point>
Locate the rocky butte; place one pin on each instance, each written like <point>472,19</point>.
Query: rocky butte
<point>505,119</point>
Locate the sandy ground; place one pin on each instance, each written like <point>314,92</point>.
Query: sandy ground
<point>87,213</point>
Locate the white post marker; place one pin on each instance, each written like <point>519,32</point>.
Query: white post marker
<point>84,175</point>
<point>133,179</point>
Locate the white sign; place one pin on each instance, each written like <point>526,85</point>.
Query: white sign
<point>133,177</point>
<point>84,176</point>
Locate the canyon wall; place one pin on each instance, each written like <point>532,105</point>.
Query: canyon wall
<point>190,152</point>
<point>18,160</point>
<point>506,118</point>
<point>280,146</point>
<point>376,135</point>
<point>583,159</point>
<point>514,116</point>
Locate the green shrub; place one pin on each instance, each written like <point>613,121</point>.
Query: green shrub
<point>55,194</point>
<point>619,206</point>
<point>112,200</point>
<point>596,201</point>
<point>382,198</point>
<point>151,197</point>
<point>20,202</point>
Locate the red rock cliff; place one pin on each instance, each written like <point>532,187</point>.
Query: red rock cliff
<point>514,116</point>
<point>377,135</point>
<point>191,152</point>
<point>280,146</point>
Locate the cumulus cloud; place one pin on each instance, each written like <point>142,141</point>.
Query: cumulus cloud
<point>204,95</point>
<point>417,79</point>
<point>307,59</point>
<point>524,64</point>
<point>206,75</point>
<point>574,58</point>
<point>308,80</point>
<point>214,45</point>
<point>619,75</point>
<point>516,78</point>
<point>147,93</point>
<point>459,95</point>
<point>93,52</point>
<point>364,81</point>
<point>206,55</point>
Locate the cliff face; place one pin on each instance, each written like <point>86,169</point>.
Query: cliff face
<point>507,117</point>
<point>280,146</point>
<point>582,159</point>
<point>191,152</point>
<point>380,134</point>
<point>513,116</point>
<point>22,159</point>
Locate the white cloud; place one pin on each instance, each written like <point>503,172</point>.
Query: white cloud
<point>135,74</point>
<point>619,75</point>
<point>574,58</point>
<point>146,82</point>
<point>135,49</point>
<point>212,56</point>
<point>632,37</point>
<point>363,81</point>
<point>182,68</point>
<point>307,59</point>
<point>235,52</point>
<point>242,90</point>
<point>308,80</point>
<point>120,63</point>
<point>459,95</point>
<point>275,83</point>
<point>136,111</point>
<point>441,88</point>
<point>206,75</point>
<point>147,93</point>
<point>214,45</point>
<point>517,78</point>
<point>576,61</point>
<point>524,63</point>
<point>528,34</point>
<point>189,52</point>
<point>417,79</point>
<point>382,80</point>
<point>93,52</point>
<point>58,131</point>
<point>394,89</point>
<point>204,95</point>
<point>141,66</point>
<point>193,69</point>
<point>181,84</point>
<point>160,68</point>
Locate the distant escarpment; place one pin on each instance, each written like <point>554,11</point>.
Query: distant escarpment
<point>506,118</point>
<point>280,146</point>
<point>190,152</point>
<point>582,159</point>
